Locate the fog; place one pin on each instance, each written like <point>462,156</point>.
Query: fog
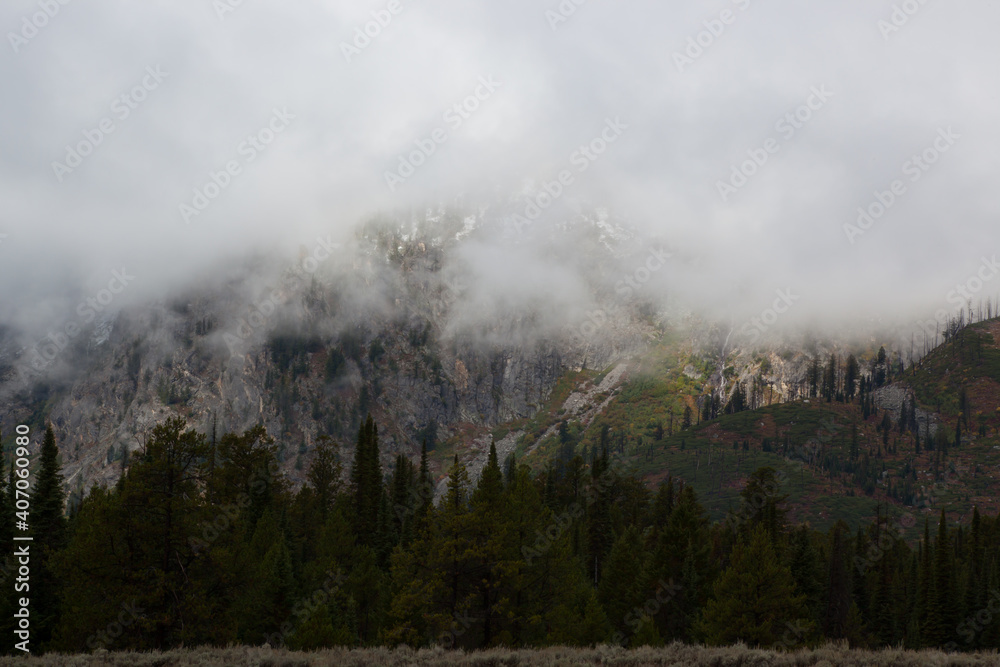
<point>163,140</point>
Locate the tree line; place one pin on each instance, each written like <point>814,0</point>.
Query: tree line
<point>203,540</point>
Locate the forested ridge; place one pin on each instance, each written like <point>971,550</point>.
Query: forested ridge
<point>203,541</point>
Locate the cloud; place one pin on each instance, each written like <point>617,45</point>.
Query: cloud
<point>356,115</point>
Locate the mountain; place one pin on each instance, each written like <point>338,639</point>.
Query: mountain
<point>394,323</point>
<point>537,347</point>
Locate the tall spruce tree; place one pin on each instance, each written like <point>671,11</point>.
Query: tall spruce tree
<point>48,527</point>
<point>366,483</point>
<point>754,599</point>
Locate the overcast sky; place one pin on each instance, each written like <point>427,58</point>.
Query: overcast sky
<point>681,95</point>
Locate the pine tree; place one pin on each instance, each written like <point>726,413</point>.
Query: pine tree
<point>366,483</point>
<point>663,505</point>
<point>324,475</point>
<point>813,377</point>
<point>150,544</point>
<point>762,505</point>
<point>425,485</point>
<point>490,548</point>
<point>48,526</point>
<point>835,619</point>
<point>490,486</point>
<point>48,499</point>
<point>265,599</point>
<point>851,375</point>
<point>804,567</point>
<point>974,590</point>
<point>940,612</point>
<point>680,556</point>
<point>753,599</point>
<point>403,502</point>
<point>879,368</point>
<point>600,535</point>
<point>830,378</point>
<point>619,591</point>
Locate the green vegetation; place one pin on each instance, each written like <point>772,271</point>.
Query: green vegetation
<point>204,542</point>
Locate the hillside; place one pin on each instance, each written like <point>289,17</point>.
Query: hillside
<point>399,325</point>
<point>840,460</point>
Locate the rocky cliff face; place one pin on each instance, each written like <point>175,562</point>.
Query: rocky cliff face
<point>388,324</point>
<point>422,324</point>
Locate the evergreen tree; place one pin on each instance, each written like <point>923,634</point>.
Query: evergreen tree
<point>830,379</point>
<point>804,566</point>
<point>754,599</point>
<point>150,545</point>
<point>762,505</point>
<point>599,527</point>
<point>402,488</point>
<point>940,604</point>
<point>851,375</point>
<point>366,483</point>
<point>680,558</point>
<point>838,605</point>
<point>48,498</point>
<point>490,486</point>
<point>265,598</point>
<point>324,475</point>
<point>425,485</point>
<point>48,527</point>
<point>813,377</point>
<point>879,369</point>
<point>620,590</point>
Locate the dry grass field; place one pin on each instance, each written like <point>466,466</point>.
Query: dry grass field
<point>679,655</point>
